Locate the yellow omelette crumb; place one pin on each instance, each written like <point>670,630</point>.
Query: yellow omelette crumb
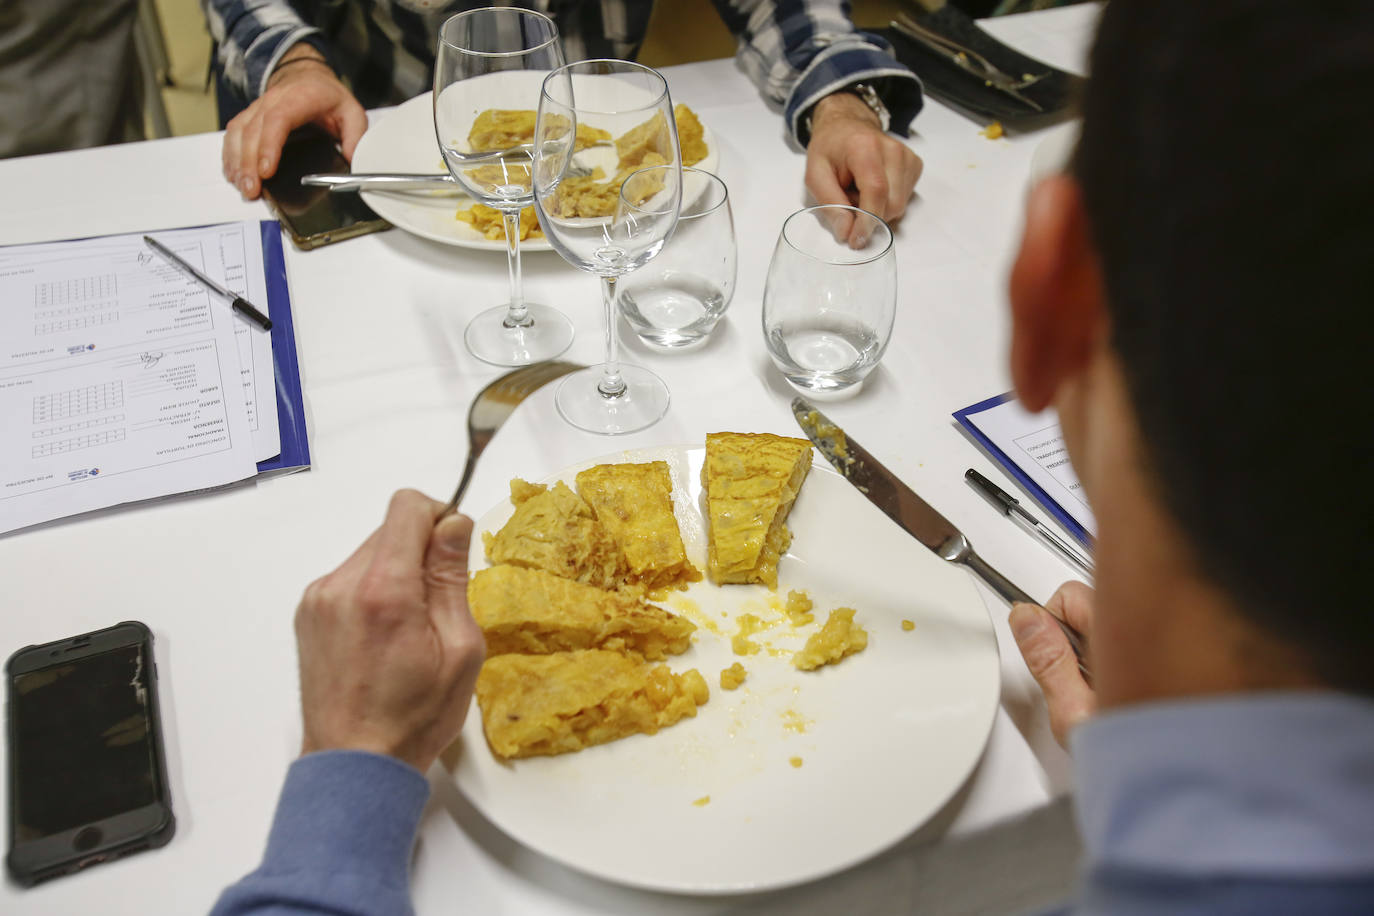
<point>732,677</point>
<point>908,625</point>
<point>839,637</point>
<point>818,426</point>
<point>794,721</point>
<point>703,801</point>
<point>992,131</point>
<point>795,761</point>
<point>798,608</point>
<point>749,624</point>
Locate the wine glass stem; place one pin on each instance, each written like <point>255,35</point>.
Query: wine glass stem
<point>517,316</point>
<point>611,384</point>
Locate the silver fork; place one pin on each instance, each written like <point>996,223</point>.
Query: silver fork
<point>493,406</point>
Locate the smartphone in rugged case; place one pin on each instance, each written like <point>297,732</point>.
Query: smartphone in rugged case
<point>315,216</point>
<point>87,771</point>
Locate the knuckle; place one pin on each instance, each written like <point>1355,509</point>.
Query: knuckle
<point>1045,655</point>
<point>378,594</point>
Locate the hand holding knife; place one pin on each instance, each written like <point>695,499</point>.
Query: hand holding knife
<point>916,516</point>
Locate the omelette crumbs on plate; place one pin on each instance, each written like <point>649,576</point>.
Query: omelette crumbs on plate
<point>703,801</point>
<point>908,625</point>
<point>992,131</point>
<point>798,608</point>
<point>795,761</point>
<point>732,677</point>
<point>749,624</point>
<point>794,721</point>
<point>840,637</point>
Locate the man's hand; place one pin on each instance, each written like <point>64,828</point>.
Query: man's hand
<point>849,160</point>
<point>302,90</point>
<point>1050,658</point>
<point>389,653</point>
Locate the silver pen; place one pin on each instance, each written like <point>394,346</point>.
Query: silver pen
<point>237,302</point>
<point>1011,507</point>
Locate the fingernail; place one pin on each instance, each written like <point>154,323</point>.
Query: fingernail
<point>1025,622</point>
<point>245,184</point>
<point>262,166</point>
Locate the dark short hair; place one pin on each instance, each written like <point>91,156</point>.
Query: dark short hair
<point>1228,178</point>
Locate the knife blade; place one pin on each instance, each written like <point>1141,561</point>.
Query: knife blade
<point>912,513</point>
<point>381,181</point>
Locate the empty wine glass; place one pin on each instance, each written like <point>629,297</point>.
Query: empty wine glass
<point>675,302</point>
<point>611,221</point>
<point>828,307</point>
<point>491,61</point>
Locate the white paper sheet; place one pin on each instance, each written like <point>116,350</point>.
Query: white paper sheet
<point>1035,443</point>
<point>80,297</point>
<point>122,380</point>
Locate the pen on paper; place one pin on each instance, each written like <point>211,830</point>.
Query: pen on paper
<point>1011,507</point>
<point>238,303</point>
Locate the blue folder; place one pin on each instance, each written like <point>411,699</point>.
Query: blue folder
<point>295,446</point>
<point>1023,479</point>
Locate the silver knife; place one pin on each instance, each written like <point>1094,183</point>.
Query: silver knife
<point>381,181</point>
<point>916,516</point>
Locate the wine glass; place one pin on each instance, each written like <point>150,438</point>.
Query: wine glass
<point>490,61</point>
<point>580,106</point>
<point>675,302</point>
<point>829,307</point>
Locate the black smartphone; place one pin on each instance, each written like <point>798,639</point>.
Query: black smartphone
<point>316,216</point>
<point>87,772</point>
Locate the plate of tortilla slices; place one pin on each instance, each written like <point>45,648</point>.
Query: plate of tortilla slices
<point>403,140</point>
<point>794,774</point>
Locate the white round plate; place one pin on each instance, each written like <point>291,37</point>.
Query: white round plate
<point>403,140</point>
<point>885,737</point>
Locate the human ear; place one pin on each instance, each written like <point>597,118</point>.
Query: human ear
<point>1056,294</point>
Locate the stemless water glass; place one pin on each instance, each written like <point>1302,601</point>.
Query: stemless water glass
<point>495,59</point>
<point>675,302</point>
<point>828,309</point>
<point>602,235</point>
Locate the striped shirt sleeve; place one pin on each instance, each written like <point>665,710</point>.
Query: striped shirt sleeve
<point>799,51</point>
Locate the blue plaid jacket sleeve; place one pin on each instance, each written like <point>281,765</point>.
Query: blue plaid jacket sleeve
<point>252,35</point>
<point>796,51</point>
<point>799,51</point>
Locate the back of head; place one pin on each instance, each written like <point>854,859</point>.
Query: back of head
<point>1228,180</point>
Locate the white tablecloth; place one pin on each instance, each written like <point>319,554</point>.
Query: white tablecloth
<point>387,386</point>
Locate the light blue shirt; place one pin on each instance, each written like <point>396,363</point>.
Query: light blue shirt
<point>1262,803</point>
<point>1242,806</point>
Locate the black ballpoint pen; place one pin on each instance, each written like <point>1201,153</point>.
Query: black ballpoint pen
<point>238,303</point>
<point>1011,507</point>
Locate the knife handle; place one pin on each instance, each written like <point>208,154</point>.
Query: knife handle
<point>1013,595</point>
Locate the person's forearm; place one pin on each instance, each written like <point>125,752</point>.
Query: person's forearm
<point>254,37</point>
<point>340,840</point>
<point>801,55</point>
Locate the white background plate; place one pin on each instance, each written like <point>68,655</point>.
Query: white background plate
<point>403,140</point>
<point>888,735</point>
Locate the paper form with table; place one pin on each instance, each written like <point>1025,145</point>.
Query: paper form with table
<point>122,380</point>
<point>1030,446</point>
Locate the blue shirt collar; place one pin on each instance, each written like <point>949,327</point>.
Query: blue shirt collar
<point>1279,783</point>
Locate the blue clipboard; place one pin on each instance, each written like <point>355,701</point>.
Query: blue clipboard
<point>295,443</point>
<point>1037,492</point>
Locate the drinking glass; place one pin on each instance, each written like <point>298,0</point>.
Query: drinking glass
<point>674,302</point>
<point>828,308</point>
<point>607,236</point>
<point>496,59</point>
